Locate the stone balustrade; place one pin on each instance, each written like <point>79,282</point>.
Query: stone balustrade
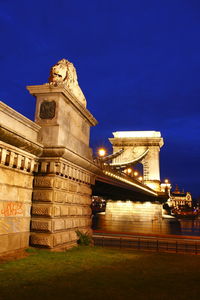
<point>65,170</point>
<point>18,159</point>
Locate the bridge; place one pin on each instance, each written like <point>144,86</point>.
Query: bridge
<point>129,149</point>
<point>47,172</point>
<point>114,183</point>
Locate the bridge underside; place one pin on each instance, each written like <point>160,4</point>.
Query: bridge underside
<point>115,190</point>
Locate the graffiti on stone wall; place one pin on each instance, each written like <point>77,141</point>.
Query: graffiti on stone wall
<point>12,209</point>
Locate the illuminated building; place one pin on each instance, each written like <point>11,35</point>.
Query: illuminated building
<point>178,198</point>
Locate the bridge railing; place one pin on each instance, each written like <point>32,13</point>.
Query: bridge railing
<point>109,169</point>
<point>149,244</point>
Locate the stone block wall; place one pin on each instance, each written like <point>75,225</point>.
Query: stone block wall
<point>133,211</point>
<point>61,204</point>
<point>16,179</point>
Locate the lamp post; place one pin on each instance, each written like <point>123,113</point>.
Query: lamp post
<point>166,186</point>
<point>140,178</point>
<point>101,152</point>
<point>129,171</point>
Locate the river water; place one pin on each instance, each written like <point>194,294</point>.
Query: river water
<point>173,226</point>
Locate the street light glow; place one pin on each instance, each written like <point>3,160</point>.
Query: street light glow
<point>129,170</point>
<point>101,152</point>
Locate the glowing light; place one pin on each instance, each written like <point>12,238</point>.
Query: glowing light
<point>135,173</point>
<point>129,170</point>
<point>120,203</point>
<point>140,178</point>
<point>147,204</point>
<point>102,152</point>
<point>166,181</point>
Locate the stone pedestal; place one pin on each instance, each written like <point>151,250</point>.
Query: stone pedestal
<point>62,186</point>
<point>64,121</point>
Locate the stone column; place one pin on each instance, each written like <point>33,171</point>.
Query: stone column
<point>62,186</point>
<point>151,165</point>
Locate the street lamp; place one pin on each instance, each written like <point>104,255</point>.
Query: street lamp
<point>129,170</point>
<point>102,152</point>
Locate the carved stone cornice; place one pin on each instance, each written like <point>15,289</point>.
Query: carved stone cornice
<point>46,89</point>
<point>122,142</point>
<point>9,112</point>
<point>62,152</point>
<point>19,141</point>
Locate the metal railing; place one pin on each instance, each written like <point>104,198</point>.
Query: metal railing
<point>149,244</point>
<point>117,174</point>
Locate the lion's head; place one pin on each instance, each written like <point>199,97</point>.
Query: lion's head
<point>64,73</point>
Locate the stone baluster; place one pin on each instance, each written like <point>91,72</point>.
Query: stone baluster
<point>32,164</point>
<point>19,161</point>
<point>61,168</point>
<point>44,165</point>
<point>52,167</point>
<point>11,159</point>
<point>26,163</point>
<point>3,156</point>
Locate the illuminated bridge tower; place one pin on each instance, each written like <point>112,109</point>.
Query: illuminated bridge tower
<point>139,147</point>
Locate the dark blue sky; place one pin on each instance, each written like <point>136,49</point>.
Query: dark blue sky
<point>138,64</point>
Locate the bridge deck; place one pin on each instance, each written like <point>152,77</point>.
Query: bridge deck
<point>117,185</point>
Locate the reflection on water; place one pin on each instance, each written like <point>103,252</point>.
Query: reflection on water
<point>190,227</point>
<point>159,226</point>
<point>142,217</point>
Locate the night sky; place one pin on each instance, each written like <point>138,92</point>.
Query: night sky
<point>138,64</point>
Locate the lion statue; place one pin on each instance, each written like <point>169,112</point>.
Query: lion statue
<point>64,73</point>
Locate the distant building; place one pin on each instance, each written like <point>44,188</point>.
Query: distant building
<point>98,204</point>
<point>178,198</point>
